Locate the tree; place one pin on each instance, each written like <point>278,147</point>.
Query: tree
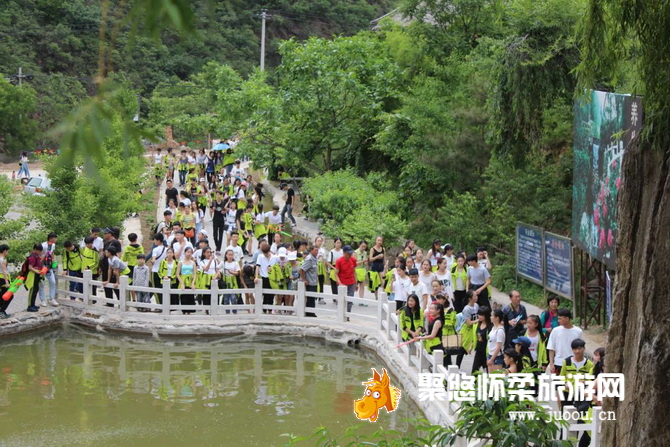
<point>328,98</point>
<point>619,34</point>
<point>17,126</point>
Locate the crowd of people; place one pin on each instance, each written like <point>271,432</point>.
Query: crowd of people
<point>442,296</point>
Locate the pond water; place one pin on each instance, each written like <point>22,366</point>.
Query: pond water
<point>75,387</point>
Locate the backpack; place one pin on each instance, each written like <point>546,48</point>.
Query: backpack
<point>48,259</point>
<point>25,268</point>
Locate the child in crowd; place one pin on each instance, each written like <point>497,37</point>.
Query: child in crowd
<point>141,276</point>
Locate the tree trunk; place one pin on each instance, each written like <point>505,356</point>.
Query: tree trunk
<point>639,336</point>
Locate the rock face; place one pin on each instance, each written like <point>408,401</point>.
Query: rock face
<point>21,322</point>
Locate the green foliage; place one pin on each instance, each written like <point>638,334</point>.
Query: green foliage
<point>353,209</point>
<point>533,71</point>
<point>79,201</point>
<point>630,39</point>
<point>17,126</point>
<point>490,419</point>
<point>325,107</point>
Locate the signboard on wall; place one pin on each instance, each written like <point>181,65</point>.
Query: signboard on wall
<point>558,265</point>
<point>605,124</point>
<point>529,253</point>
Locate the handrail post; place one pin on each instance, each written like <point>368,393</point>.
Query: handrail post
<point>595,425</point>
<point>214,298</point>
<point>166,297</point>
<point>341,303</point>
<point>258,297</point>
<point>123,292</point>
<point>389,319</point>
<point>380,314</point>
<point>300,300</point>
<point>438,359</point>
<point>88,276</point>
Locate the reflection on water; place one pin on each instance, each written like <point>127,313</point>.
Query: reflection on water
<point>73,387</point>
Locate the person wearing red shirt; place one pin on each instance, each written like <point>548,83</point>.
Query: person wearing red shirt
<point>345,271</point>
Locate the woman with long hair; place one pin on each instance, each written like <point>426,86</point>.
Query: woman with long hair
<point>209,270</point>
<point>411,318</point>
<point>376,263</point>
<point>186,276</point>
<point>512,360</point>
<point>435,254</point>
<point>496,341</point>
<point>426,275</point>
<point>538,342</point>
<point>459,282</point>
<point>432,340</point>
<point>481,332</point>
<point>335,254</point>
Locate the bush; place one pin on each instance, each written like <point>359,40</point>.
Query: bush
<point>353,209</point>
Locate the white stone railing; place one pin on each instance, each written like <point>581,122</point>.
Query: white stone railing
<point>413,357</point>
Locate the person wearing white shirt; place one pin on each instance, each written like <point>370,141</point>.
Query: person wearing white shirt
<point>238,171</point>
<point>263,264</point>
<point>559,346</point>
<point>180,244</point>
<point>238,253</point>
<point>418,288</point>
<point>400,284</point>
<point>158,253</point>
<point>274,222</point>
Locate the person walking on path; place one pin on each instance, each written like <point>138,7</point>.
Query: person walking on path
<point>479,280</point>
<point>516,315</point>
<point>288,206</point>
<point>559,345</point>
<point>345,272</point>
<point>309,275</point>
<point>48,261</point>
<point>24,171</point>
<point>5,281</point>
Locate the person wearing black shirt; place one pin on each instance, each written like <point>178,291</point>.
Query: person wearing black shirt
<point>109,241</point>
<point>288,206</point>
<point>218,214</point>
<point>171,193</point>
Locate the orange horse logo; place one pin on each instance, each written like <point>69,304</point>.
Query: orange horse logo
<point>378,394</point>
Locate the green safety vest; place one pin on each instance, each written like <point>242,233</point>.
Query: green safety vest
<point>130,254</point>
<point>73,260</point>
<point>406,323</point>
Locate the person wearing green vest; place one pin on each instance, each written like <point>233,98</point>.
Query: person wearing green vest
<point>5,281</point>
<point>228,161</point>
<point>73,266</point>
<point>577,363</point>
<point>432,340</point>
<point>130,253</point>
<point>34,276</point>
<point>538,342</point>
<point>411,318</point>
<point>361,254</point>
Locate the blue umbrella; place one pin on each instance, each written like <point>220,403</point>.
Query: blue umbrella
<point>221,147</point>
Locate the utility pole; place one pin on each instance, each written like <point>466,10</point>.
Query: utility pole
<point>18,78</point>
<point>264,17</point>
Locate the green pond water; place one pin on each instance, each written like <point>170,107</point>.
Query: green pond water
<point>72,387</point>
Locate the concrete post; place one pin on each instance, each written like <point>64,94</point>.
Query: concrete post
<point>88,276</point>
<point>166,298</point>
<point>258,297</point>
<point>214,301</point>
<point>341,303</point>
<point>123,292</point>
<point>300,300</point>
